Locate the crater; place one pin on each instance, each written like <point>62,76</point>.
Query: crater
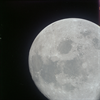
<point>65,46</point>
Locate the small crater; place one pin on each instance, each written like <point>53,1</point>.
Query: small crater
<point>65,46</point>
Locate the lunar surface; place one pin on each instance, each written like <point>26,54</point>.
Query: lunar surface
<point>64,60</point>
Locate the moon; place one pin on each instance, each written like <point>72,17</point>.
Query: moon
<point>64,60</point>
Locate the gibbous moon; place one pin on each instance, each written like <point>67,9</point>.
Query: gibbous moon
<point>64,60</point>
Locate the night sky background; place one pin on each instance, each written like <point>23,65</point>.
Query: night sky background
<point>20,24</point>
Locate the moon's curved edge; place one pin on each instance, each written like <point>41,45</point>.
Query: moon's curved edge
<point>41,33</point>
<point>48,26</point>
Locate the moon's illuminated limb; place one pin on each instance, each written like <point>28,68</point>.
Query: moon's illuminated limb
<point>69,71</point>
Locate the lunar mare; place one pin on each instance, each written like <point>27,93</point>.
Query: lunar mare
<point>64,60</point>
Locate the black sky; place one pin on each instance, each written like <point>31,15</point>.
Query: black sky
<point>21,22</point>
